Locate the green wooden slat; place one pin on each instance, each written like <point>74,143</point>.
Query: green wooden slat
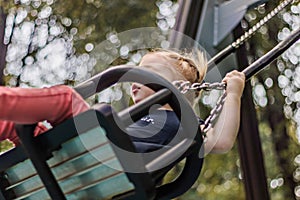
<point>84,165</point>
<point>71,166</point>
<point>84,161</point>
<point>25,188</point>
<point>96,182</point>
<point>87,141</point>
<point>104,190</point>
<point>93,176</point>
<point>20,171</point>
<point>92,138</point>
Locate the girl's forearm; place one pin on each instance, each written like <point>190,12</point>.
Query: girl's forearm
<point>222,137</point>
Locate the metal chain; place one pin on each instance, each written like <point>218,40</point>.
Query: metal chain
<point>185,86</point>
<point>263,21</point>
<point>248,34</point>
<point>214,113</point>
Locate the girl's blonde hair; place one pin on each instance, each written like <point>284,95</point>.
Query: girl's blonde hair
<point>191,64</point>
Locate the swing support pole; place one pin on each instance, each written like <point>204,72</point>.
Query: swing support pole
<point>263,61</point>
<point>235,45</point>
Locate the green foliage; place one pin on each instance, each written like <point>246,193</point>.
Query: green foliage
<point>5,145</point>
<point>92,21</point>
<point>74,28</point>
<point>220,178</point>
<point>274,94</point>
<point>95,19</point>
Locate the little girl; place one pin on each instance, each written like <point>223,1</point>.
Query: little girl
<point>190,67</point>
<point>55,104</point>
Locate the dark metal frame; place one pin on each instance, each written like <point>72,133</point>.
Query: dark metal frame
<point>250,149</point>
<point>3,47</point>
<point>249,142</point>
<point>194,157</point>
<point>40,148</point>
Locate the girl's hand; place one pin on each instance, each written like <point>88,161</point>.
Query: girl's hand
<point>235,81</point>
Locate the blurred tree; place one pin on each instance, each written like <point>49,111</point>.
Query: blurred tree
<point>50,41</point>
<point>3,47</point>
<point>45,36</point>
<point>273,101</point>
<point>276,97</point>
<point>94,19</point>
<point>40,35</point>
<point>220,179</point>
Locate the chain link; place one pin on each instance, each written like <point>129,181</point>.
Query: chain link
<point>214,113</point>
<point>185,86</point>
<point>262,22</point>
<point>182,86</point>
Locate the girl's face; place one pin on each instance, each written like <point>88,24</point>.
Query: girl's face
<point>140,92</point>
<point>159,64</point>
<point>155,63</point>
<point>162,65</point>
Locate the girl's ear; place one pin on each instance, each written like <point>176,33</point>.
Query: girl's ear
<point>188,71</point>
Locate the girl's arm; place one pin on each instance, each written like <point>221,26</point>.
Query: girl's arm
<point>221,137</point>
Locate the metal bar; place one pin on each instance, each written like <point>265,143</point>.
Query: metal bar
<point>250,149</point>
<point>141,109</point>
<point>1,196</point>
<point>263,61</point>
<point>25,133</point>
<point>95,182</point>
<point>3,47</point>
<point>56,165</point>
<point>23,196</point>
<point>235,45</point>
<point>220,56</point>
<point>69,159</point>
<point>170,155</point>
<point>4,183</point>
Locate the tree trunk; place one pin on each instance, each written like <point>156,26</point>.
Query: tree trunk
<point>273,114</point>
<point>278,124</point>
<point>281,142</point>
<point>252,158</point>
<point>3,47</point>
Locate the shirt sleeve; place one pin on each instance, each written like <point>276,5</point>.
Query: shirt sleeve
<point>200,121</point>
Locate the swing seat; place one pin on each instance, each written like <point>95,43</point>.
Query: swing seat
<point>83,166</point>
<point>83,157</point>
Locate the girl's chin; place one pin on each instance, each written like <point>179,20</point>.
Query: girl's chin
<point>136,101</point>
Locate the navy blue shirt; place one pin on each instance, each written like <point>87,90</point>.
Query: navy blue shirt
<point>154,130</point>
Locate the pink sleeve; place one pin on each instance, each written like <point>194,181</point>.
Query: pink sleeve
<point>29,106</point>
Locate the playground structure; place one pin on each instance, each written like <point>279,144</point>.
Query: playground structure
<point>56,151</point>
